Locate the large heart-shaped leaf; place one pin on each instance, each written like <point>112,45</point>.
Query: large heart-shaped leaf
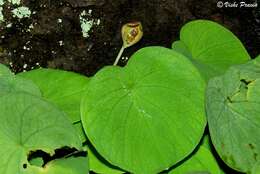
<point>60,87</point>
<point>148,115</point>
<point>201,161</point>
<point>28,124</point>
<point>233,110</point>
<point>211,47</point>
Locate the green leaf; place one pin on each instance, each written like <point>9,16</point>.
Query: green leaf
<point>98,165</point>
<point>211,47</point>
<point>133,115</point>
<point>69,165</point>
<point>256,168</point>
<point>10,83</point>
<point>200,162</point>
<point>29,124</point>
<point>4,70</point>
<point>206,141</point>
<point>233,110</point>
<point>62,88</point>
<point>180,47</point>
<point>38,161</point>
<point>198,173</point>
<point>80,131</point>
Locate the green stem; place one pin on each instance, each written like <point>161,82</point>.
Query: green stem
<point>119,55</point>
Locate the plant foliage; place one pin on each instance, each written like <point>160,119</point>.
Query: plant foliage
<point>148,117</point>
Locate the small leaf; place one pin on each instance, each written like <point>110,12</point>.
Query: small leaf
<point>133,115</point>
<point>211,47</point>
<point>38,161</point>
<point>69,165</point>
<point>206,142</point>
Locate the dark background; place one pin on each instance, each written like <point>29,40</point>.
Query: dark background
<point>161,19</point>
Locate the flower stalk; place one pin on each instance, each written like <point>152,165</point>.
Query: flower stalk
<point>131,34</point>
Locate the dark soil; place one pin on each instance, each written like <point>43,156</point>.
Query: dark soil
<point>161,19</point>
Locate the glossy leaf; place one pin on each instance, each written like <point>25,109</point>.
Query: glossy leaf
<point>133,115</point>
<point>29,124</point>
<point>98,165</point>
<point>211,47</point>
<point>206,142</point>
<point>62,88</point>
<point>233,110</point>
<point>200,162</point>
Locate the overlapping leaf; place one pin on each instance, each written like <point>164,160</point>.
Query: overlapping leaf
<point>29,124</point>
<point>4,70</point>
<point>10,83</point>
<point>60,87</point>
<point>233,110</point>
<point>211,47</point>
<point>69,165</point>
<point>201,162</point>
<point>97,164</point>
<point>140,117</point>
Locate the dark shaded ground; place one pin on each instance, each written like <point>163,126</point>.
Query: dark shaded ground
<point>161,19</point>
